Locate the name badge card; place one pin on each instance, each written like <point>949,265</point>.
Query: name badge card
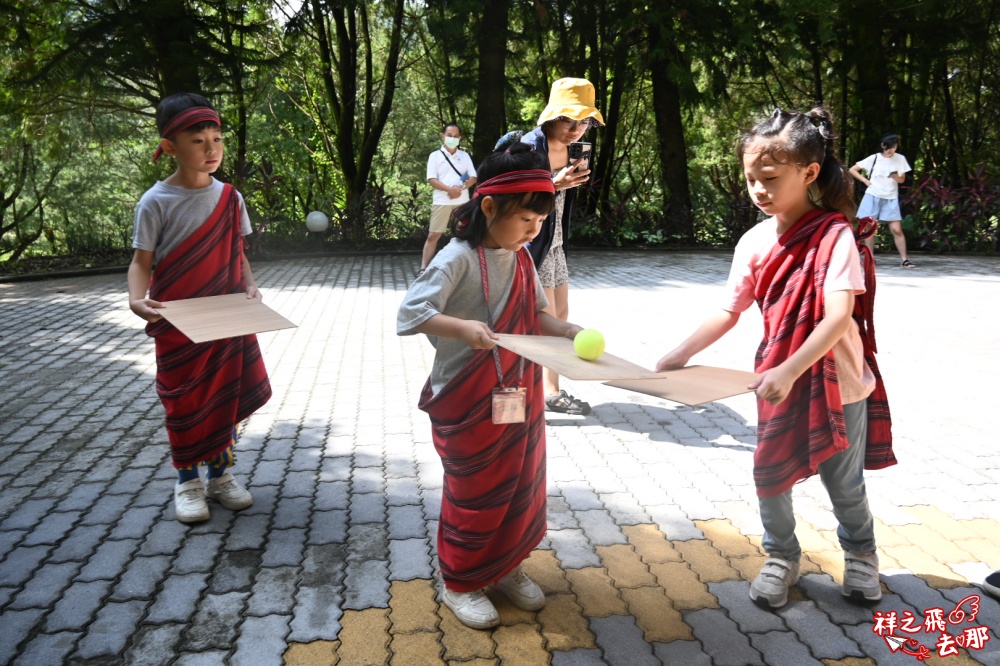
<point>509,405</point>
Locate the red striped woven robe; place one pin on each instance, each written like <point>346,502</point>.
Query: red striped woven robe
<point>805,429</point>
<point>493,509</point>
<point>208,388</point>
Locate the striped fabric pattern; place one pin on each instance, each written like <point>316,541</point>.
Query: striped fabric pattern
<point>206,389</point>
<point>808,427</point>
<point>493,509</point>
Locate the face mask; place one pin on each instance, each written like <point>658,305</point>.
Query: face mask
<point>452,142</point>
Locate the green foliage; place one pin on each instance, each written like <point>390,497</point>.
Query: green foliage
<point>949,218</point>
<point>347,131</point>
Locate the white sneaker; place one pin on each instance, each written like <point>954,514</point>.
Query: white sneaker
<point>473,609</point>
<point>521,590</point>
<point>770,588</point>
<point>189,502</point>
<point>861,577</point>
<point>227,492</point>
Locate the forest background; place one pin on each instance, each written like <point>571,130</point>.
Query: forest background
<point>334,105</point>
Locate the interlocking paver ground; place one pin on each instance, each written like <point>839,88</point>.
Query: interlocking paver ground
<point>653,534</point>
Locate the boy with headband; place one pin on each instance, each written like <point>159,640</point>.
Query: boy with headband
<point>188,240</point>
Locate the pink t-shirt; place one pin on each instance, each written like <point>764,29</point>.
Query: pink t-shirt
<point>844,274</point>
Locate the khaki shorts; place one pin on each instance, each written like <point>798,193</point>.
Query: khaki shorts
<point>440,215</point>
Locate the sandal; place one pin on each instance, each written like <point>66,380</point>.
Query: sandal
<point>908,264</point>
<point>566,404</point>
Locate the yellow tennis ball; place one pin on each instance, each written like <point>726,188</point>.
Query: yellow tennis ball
<point>589,344</point>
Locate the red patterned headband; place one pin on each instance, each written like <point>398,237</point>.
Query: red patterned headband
<point>184,120</point>
<point>518,182</point>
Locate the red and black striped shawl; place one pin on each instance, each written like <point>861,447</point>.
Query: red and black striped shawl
<point>206,388</point>
<point>805,429</point>
<point>493,509</point>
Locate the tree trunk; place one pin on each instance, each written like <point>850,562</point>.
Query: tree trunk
<point>844,118</point>
<point>670,137</point>
<point>379,114</point>
<point>954,141</point>
<point>604,167</point>
<point>873,78</point>
<point>239,170</point>
<point>356,146</point>
<point>170,31</point>
<point>491,81</point>
<point>8,201</point>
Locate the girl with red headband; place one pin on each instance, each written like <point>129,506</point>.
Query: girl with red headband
<point>486,404</point>
<point>188,242</point>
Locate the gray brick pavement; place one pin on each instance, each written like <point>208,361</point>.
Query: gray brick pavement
<point>347,485</point>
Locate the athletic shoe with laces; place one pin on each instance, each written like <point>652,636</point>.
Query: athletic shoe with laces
<point>473,609</point>
<point>227,492</point>
<point>189,502</point>
<point>861,581</point>
<point>770,588</point>
<point>521,590</point>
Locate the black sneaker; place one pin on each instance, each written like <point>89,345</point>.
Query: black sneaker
<point>992,584</point>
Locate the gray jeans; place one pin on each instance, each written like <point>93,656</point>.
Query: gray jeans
<point>843,477</point>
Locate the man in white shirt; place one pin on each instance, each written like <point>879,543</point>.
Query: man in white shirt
<point>886,170</point>
<point>451,173</point>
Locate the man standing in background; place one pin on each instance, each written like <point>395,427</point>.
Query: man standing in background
<point>451,173</point>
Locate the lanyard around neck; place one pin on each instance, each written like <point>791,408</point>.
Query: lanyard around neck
<point>484,274</point>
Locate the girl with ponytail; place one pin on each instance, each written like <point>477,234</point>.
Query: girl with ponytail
<point>485,403</point>
<point>820,399</point>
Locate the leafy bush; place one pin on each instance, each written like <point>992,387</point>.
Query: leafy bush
<point>629,222</point>
<point>950,218</point>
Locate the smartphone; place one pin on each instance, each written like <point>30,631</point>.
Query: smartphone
<point>580,149</point>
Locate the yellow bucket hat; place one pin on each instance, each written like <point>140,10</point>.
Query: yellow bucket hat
<point>573,99</point>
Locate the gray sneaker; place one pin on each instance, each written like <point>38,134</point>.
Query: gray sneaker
<point>770,588</point>
<point>861,581</point>
<point>227,492</point>
<point>189,502</point>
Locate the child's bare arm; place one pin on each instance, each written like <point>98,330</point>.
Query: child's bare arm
<point>554,326</point>
<point>140,271</point>
<point>252,291</point>
<point>775,384</point>
<point>474,333</point>
<point>713,328</point>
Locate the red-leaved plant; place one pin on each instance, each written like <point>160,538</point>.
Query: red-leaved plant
<point>963,217</point>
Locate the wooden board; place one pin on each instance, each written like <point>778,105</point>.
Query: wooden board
<point>693,385</point>
<point>558,354</point>
<point>217,317</point>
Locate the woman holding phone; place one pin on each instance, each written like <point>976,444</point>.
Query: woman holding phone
<point>564,121</point>
<point>885,172</point>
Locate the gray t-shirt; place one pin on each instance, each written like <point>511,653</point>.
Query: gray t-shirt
<point>452,285</point>
<point>166,215</point>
